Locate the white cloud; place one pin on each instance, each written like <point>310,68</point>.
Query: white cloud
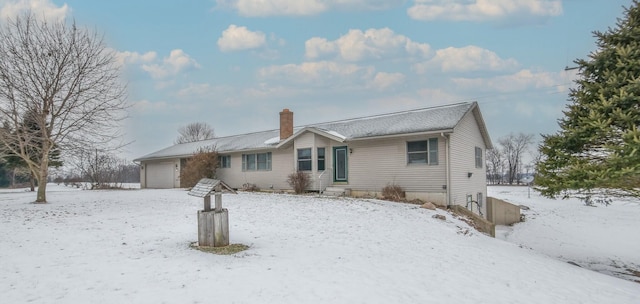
<point>236,38</point>
<point>482,10</point>
<point>308,76</point>
<point>439,96</point>
<point>177,62</point>
<point>232,96</point>
<point>466,59</point>
<point>40,8</point>
<point>255,8</point>
<point>384,80</point>
<point>127,58</point>
<point>519,81</point>
<point>357,45</point>
<point>314,72</point>
<point>146,105</point>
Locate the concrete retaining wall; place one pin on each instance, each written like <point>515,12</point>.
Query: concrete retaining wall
<point>480,223</point>
<point>500,212</point>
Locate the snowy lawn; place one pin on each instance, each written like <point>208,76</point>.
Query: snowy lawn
<point>601,238</point>
<point>132,246</point>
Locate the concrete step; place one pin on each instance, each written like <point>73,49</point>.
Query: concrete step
<point>335,191</point>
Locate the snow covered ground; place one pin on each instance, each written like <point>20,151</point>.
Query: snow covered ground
<point>601,238</point>
<point>132,246</point>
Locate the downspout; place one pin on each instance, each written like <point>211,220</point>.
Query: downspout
<point>447,168</point>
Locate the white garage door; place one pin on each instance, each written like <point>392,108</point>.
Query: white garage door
<point>160,175</point>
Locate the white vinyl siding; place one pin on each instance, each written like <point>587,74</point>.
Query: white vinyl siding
<point>282,163</point>
<point>464,140</point>
<point>376,163</point>
<point>308,141</point>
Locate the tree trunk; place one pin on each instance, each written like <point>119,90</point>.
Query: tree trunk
<point>41,196</point>
<point>43,173</point>
<point>32,182</point>
<point>13,178</point>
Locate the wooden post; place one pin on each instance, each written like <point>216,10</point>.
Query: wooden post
<point>221,228</point>
<point>218,191</point>
<point>207,203</point>
<point>213,228</point>
<point>218,202</point>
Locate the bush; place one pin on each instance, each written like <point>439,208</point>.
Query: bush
<point>250,187</point>
<point>299,181</point>
<point>202,164</point>
<point>393,192</point>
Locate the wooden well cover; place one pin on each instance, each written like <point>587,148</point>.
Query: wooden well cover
<point>206,186</point>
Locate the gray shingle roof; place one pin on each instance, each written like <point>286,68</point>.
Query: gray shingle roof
<point>414,121</point>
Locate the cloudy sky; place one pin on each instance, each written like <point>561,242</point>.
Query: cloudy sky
<point>236,63</point>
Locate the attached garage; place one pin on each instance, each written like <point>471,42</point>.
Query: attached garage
<point>160,175</point>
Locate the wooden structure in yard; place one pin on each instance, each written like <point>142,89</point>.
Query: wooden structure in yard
<point>213,224</point>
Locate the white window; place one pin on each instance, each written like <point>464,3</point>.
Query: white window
<point>321,159</point>
<point>256,162</point>
<point>225,161</point>
<point>423,152</point>
<point>304,159</point>
<point>478,157</point>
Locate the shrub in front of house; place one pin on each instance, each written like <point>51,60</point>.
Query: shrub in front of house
<point>299,181</point>
<point>393,192</point>
<point>202,164</point>
<point>250,187</point>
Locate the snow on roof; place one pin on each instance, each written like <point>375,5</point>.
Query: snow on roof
<point>414,121</point>
<point>336,134</point>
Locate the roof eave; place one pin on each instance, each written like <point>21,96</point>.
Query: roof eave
<point>482,126</point>
<point>402,134</point>
<point>312,130</point>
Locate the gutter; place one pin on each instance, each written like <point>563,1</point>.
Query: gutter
<point>441,132</point>
<point>447,157</point>
<point>137,160</point>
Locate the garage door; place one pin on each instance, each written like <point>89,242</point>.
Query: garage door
<point>160,175</point>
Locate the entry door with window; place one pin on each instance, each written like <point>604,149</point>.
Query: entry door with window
<point>340,164</point>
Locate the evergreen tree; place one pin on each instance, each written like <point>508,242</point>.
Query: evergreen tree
<point>595,156</point>
<point>28,131</point>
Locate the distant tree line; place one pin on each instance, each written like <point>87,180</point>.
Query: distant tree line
<point>505,162</point>
<point>96,169</point>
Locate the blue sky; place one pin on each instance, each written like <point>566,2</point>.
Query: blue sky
<point>236,64</point>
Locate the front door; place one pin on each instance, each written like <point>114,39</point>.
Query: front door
<point>340,164</point>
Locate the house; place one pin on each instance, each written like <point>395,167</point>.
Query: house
<point>435,154</point>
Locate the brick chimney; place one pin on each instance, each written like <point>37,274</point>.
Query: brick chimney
<point>286,124</point>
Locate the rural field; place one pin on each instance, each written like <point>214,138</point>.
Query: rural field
<point>133,246</point>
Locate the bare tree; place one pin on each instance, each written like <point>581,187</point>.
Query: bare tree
<point>195,132</point>
<point>64,80</point>
<point>99,168</point>
<point>203,163</point>
<point>495,166</point>
<point>513,148</point>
